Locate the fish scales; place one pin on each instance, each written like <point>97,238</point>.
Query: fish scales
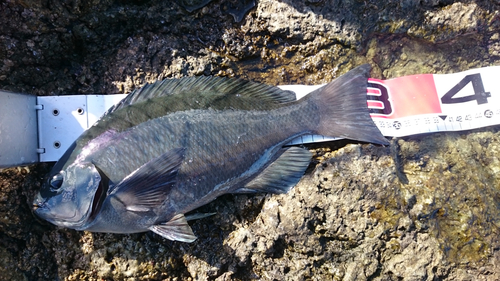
<point>176,145</point>
<point>220,145</point>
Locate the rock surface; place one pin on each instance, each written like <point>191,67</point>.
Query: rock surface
<point>424,208</point>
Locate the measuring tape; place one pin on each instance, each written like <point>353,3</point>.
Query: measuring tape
<point>428,103</point>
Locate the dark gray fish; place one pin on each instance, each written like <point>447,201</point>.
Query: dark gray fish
<point>178,144</point>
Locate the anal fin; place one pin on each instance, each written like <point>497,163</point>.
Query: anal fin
<point>282,174</point>
<point>176,229</point>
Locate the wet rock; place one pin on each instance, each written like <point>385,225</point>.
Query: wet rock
<point>191,5</point>
<point>237,9</point>
<point>451,21</point>
<point>351,217</point>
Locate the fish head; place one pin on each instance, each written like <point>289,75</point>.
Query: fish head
<point>69,196</point>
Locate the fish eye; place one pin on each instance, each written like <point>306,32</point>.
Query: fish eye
<point>56,182</point>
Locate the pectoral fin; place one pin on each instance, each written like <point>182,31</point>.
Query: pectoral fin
<point>281,175</point>
<point>177,229</point>
<point>148,186</point>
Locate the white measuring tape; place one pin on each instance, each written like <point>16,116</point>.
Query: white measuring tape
<point>401,106</point>
<point>430,103</point>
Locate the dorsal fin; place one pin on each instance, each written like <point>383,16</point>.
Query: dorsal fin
<point>203,92</point>
<point>172,95</point>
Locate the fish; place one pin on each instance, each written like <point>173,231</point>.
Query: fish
<point>178,144</point>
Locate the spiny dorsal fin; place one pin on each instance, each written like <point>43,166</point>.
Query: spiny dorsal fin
<point>171,95</point>
<point>214,92</point>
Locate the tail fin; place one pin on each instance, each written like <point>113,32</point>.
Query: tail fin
<point>343,109</point>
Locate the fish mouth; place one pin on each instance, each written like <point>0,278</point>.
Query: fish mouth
<point>38,202</point>
<point>55,216</point>
<point>39,206</point>
<point>35,211</point>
